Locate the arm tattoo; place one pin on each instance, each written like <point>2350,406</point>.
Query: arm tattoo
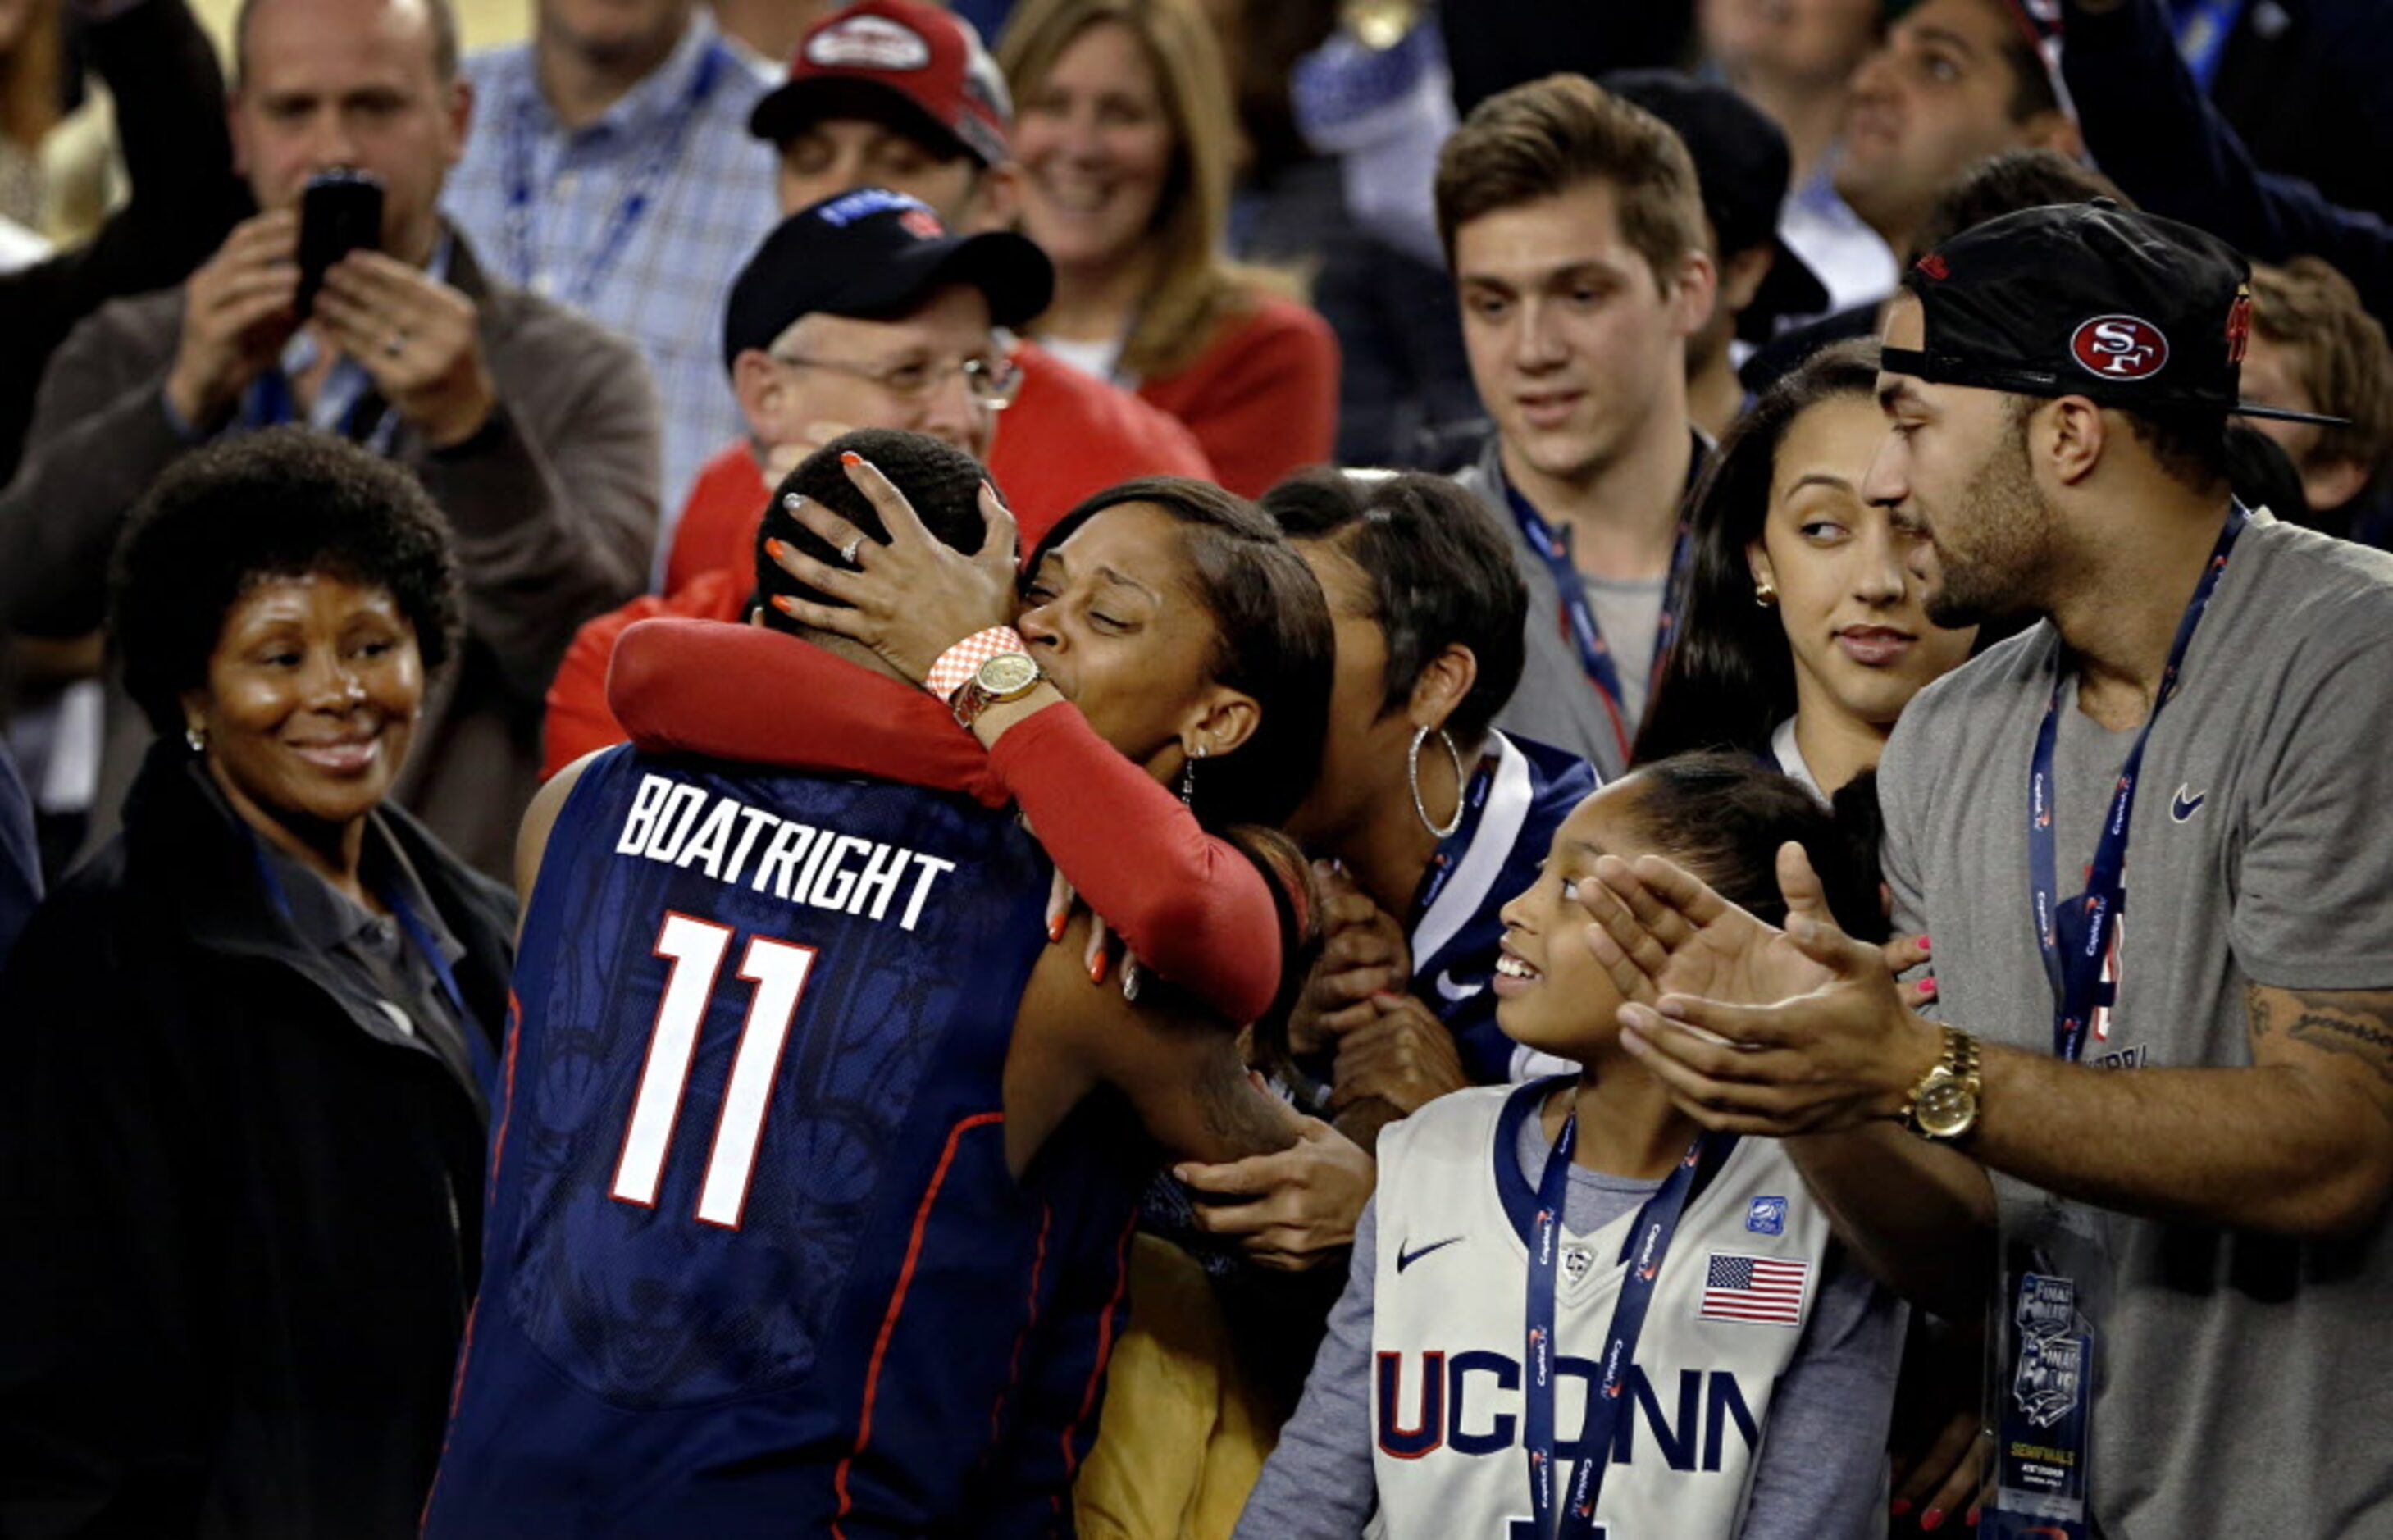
<point>2357,1023</point>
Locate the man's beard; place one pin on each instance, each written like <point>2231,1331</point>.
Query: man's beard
<point>2010,527</point>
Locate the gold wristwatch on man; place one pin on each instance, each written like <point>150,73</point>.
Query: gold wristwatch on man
<point>1943,1105</point>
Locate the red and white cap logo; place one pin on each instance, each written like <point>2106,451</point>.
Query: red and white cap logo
<point>924,53</point>
<point>867,43</point>
<point>2120,347</point>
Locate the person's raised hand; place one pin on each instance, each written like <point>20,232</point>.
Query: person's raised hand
<point>1302,1204</point>
<point>1829,1047</point>
<point>417,336</point>
<point>1364,952</point>
<point>1660,929</point>
<point>238,311</point>
<point>1405,1057</point>
<point>912,598</point>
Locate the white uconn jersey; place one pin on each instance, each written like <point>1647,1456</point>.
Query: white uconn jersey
<point>1455,1217</point>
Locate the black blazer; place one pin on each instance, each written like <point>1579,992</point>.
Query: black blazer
<point>244,1208</point>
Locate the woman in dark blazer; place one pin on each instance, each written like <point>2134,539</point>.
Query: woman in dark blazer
<point>248,1049</point>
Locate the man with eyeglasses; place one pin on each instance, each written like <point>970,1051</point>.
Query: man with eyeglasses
<point>900,94</point>
<point>863,311</point>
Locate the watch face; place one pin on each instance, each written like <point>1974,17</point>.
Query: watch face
<point>1008,674</point>
<point>1947,1107</point>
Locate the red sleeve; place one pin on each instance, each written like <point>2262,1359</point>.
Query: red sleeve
<point>718,527</point>
<point>1190,905</point>
<point>709,687</point>
<point>1263,400</point>
<point>578,719</point>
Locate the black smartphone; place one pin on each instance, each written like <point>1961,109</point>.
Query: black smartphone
<point>339,212</point>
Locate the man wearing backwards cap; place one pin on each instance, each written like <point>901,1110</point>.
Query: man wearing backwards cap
<point>2150,836</point>
<point>864,309</point>
<point>900,94</point>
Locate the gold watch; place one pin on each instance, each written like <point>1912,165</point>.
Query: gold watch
<point>1007,676</point>
<point>1943,1105</point>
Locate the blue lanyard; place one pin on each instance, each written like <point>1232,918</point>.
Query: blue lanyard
<point>1579,616</point>
<point>630,205</point>
<point>482,1059</point>
<point>1648,1243</point>
<point>477,1048</point>
<point>2076,935</point>
<point>270,402</point>
<point>1455,846</point>
<point>2203,29</point>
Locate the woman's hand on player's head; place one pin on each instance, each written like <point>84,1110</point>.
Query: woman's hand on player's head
<point>910,598</point>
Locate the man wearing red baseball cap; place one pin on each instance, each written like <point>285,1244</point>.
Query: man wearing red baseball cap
<point>897,94</point>
<point>900,94</point>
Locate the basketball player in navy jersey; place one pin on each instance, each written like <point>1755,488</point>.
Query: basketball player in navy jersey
<point>807,1137</point>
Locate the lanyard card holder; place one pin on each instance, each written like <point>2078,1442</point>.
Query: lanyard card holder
<point>2044,1392</point>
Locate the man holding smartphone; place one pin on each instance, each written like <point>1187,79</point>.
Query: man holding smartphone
<point>491,395</point>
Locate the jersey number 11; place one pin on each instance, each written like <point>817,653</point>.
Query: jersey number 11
<point>778,970</point>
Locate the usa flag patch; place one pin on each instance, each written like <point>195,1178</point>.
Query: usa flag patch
<point>1758,1290</point>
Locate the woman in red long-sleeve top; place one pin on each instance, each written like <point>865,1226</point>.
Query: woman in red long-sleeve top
<point>1125,135</point>
<point>1190,902</point>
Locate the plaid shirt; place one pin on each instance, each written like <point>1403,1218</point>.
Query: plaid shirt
<point>660,281</point>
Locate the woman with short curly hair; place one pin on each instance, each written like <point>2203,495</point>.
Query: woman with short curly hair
<point>249,1045</point>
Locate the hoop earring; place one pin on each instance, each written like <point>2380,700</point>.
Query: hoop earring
<point>1188,776</point>
<point>1412,776</point>
<point>197,736</point>
<point>1764,594</point>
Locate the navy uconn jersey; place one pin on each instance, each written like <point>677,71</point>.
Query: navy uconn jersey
<point>755,1262</point>
<point>1493,857</point>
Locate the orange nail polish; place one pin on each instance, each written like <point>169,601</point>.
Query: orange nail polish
<point>1097,970</point>
<point>774,549</point>
<point>786,604</point>
<point>849,457</point>
<point>1055,928</point>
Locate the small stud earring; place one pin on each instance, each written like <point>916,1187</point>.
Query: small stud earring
<point>197,736</point>
<point>1764,594</point>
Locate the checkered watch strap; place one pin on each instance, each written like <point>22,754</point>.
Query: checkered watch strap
<point>958,663</point>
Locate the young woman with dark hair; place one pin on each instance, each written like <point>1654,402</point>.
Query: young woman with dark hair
<point>1421,1402</point>
<point>1803,636</point>
<point>1429,816</point>
<point>1185,642</point>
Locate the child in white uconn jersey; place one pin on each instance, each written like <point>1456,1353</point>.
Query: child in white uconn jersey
<point>1566,1266</point>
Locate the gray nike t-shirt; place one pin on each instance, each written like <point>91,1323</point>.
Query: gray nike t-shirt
<point>2242,1381</point>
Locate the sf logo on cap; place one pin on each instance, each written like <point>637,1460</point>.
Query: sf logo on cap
<point>2120,347</point>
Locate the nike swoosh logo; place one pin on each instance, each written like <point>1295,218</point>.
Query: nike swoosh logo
<point>2183,806</point>
<point>1453,991</point>
<point>1406,1258</point>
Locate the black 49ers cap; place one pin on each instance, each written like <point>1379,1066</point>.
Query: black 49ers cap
<point>2124,308</point>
